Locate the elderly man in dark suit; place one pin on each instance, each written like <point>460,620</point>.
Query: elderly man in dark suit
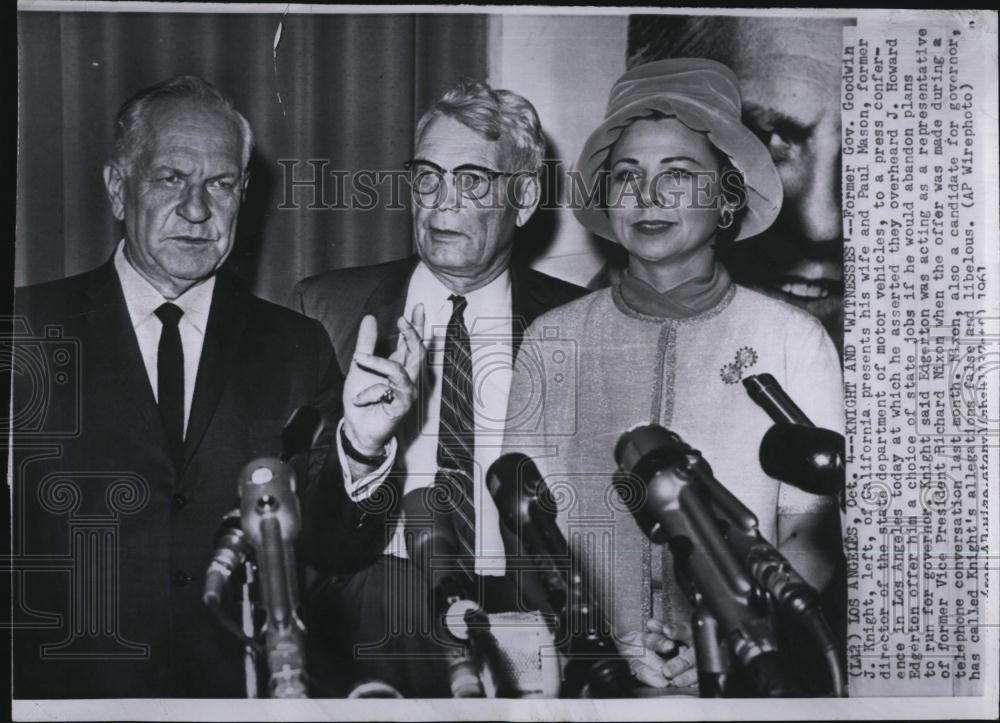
<point>174,377</point>
<point>474,180</point>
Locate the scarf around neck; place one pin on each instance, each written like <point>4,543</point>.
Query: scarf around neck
<point>687,299</point>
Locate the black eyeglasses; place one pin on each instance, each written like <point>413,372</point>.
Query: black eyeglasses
<point>472,182</point>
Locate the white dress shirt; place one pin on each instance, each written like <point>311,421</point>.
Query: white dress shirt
<point>142,300</point>
<point>488,320</point>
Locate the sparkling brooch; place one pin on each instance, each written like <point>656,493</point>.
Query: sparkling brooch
<point>732,373</point>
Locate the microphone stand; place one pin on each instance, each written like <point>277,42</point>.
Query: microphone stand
<point>794,598</point>
<point>246,612</point>
<point>711,654</point>
<point>595,665</point>
<point>464,621</point>
<point>433,550</point>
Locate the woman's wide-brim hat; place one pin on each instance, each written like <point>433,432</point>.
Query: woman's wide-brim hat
<point>703,95</point>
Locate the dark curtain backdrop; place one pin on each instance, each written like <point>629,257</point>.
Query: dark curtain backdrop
<point>351,88</point>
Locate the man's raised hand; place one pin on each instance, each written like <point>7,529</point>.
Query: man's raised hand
<point>378,393</point>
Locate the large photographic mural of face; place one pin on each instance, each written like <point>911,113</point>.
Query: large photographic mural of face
<point>789,72</point>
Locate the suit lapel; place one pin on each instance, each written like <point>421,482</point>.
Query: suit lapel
<point>119,366</point>
<point>227,321</point>
<point>528,301</point>
<point>386,303</point>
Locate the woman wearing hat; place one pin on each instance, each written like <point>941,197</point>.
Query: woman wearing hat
<point>670,344</point>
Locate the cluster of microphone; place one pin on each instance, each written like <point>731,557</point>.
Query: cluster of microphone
<point>735,578</point>
<point>541,560</point>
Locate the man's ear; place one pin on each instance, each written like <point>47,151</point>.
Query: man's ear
<point>114,183</point>
<point>528,193</point>
<point>244,183</point>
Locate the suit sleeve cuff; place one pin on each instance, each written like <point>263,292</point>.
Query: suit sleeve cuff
<point>361,489</point>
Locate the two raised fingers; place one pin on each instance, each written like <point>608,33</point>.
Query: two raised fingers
<point>401,369</point>
<point>409,347</point>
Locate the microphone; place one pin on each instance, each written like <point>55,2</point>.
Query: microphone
<point>430,538</point>
<point>528,512</point>
<point>231,550</point>
<point>768,394</point>
<point>810,458</point>
<point>270,517</point>
<point>658,479</point>
<point>300,431</point>
<point>795,450</point>
<point>373,688</point>
<point>232,547</point>
<point>430,545</point>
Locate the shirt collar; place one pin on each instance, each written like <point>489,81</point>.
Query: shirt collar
<point>142,298</point>
<point>491,302</point>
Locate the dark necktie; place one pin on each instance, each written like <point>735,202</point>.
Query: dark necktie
<point>456,440</point>
<point>170,378</point>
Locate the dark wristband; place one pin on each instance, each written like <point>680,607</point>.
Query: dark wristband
<point>374,460</point>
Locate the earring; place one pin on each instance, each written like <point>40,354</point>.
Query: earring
<point>727,218</point>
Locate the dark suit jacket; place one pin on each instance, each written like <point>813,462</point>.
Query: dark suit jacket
<point>111,541</point>
<point>339,299</point>
<point>357,608</point>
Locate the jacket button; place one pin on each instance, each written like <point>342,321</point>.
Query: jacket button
<point>180,578</point>
<point>179,501</point>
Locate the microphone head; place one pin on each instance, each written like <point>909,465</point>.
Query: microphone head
<point>643,450</point>
<point>267,489</point>
<point>809,458</point>
<point>526,506</point>
<point>431,544</point>
<point>516,486</point>
<point>374,689</point>
<point>232,546</point>
<point>759,384</point>
<point>767,393</point>
<point>649,459</point>
<point>427,531</point>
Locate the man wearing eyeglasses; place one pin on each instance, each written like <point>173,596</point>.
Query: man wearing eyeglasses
<point>474,180</point>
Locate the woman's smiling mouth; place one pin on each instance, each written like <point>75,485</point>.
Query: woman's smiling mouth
<point>652,228</point>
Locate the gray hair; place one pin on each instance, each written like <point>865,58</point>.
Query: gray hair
<point>132,120</point>
<point>496,115</point>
